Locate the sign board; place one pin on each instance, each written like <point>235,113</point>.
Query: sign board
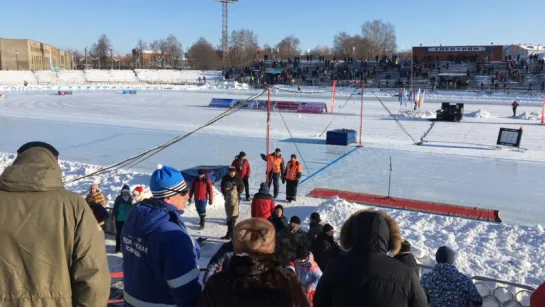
<point>274,70</point>
<point>312,107</point>
<point>222,103</point>
<point>457,49</point>
<point>286,105</point>
<point>509,137</point>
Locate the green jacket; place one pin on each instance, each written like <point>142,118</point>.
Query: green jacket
<point>53,251</point>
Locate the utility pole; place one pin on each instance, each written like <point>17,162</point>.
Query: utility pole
<point>225,31</point>
<point>85,58</point>
<point>111,59</point>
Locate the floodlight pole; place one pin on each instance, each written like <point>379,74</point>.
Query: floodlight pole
<point>225,31</point>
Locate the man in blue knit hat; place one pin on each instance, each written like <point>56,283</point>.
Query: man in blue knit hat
<point>160,259</point>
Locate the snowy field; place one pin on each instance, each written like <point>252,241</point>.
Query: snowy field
<point>458,165</point>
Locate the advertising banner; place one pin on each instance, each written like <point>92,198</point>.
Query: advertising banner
<point>312,107</point>
<point>286,105</point>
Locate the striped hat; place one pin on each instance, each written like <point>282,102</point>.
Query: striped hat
<point>166,181</point>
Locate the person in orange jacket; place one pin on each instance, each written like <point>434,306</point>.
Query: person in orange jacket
<point>275,169</point>
<point>292,174</point>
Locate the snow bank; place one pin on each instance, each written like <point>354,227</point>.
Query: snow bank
<point>478,114</point>
<point>501,251</point>
<point>415,115</point>
<point>222,86</point>
<point>529,116</point>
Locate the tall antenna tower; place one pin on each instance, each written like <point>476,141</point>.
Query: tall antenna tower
<point>225,31</point>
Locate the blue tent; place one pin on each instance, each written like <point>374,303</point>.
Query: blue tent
<point>214,172</point>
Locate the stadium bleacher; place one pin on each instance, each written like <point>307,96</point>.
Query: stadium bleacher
<point>17,77</point>
<point>46,76</point>
<point>71,77</point>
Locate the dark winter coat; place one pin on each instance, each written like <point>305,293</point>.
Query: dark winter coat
<point>445,286</point>
<point>366,275</point>
<point>410,260</point>
<point>324,248</point>
<point>235,180</point>
<point>314,229</point>
<point>278,222</point>
<point>262,206</point>
<point>296,234</point>
<point>202,189</point>
<point>243,167</point>
<point>100,213</point>
<point>220,261</point>
<point>256,280</point>
<point>121,208</point>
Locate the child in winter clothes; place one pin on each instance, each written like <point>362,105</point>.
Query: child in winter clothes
<point>122,205</point>
<point>232,202</point>
<point>308,271</point>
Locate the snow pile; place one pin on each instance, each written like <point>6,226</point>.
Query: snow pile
<point>529,116</point>
<point>505,252</point>
<point>478,114</point>
<point>415,115</point>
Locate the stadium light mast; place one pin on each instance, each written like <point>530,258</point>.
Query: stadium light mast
<point>225,31</point>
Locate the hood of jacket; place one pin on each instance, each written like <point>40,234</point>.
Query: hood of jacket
<point>446,271</point>
<point>149,214</point>
<point>34,170</point>
<point>371,231</point>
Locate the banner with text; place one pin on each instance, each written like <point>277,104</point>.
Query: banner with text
<point>312,107</point>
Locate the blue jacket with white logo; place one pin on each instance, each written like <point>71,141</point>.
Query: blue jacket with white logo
<point>160,259</point>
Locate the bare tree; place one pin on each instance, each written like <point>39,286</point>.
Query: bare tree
<point>163,50</point>
<point>141,46</point>
<point>351,46</point>
<point>320,50</point>
<point>203,56</point>
<point>288,47</point>
<point>101,49</point>
<point>381,36</point>
<point>174,50</point>
<point>243,48</point>
<point>154,46</point>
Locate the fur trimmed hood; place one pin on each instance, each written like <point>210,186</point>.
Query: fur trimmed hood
<point>371,230</point>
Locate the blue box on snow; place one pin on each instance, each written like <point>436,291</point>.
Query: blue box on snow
<point>342,137</point>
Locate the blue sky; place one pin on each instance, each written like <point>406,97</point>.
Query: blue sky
<point>77,24</point>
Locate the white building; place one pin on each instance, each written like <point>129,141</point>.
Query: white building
<point>523,50</point>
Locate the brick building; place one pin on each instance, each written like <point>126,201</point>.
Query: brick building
<point>27,54</point>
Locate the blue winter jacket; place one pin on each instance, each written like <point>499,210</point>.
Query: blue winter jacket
<point>160,259</point>
<point>446,287</point>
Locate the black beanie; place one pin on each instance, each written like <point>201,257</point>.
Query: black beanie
<point>405,247</point>
<point>201,172</point>
<point>295,220</point>
<point>328,228</point>
<point>242,154</point>
<point>29,145</point>
<point>445,255</point>
<point>302,252</point>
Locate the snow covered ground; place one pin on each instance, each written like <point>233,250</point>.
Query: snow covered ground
<point>459,164</point>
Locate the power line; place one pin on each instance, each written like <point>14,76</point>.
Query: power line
<point>141,157</point>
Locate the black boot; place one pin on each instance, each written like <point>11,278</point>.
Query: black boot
<point>229,235</point>
<point>201,223</point>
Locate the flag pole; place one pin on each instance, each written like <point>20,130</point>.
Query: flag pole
<point>268,133</point>
<point>361,112</point>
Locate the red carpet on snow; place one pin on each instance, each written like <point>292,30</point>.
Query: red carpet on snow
<point>412,205</point>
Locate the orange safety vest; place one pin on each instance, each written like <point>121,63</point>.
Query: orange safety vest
<point>274,164</point>
<point>292,168</point>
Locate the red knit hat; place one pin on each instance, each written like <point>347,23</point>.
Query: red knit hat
<point>139,189</point>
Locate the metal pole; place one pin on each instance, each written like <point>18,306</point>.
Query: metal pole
<point>390,178</point>
<point>85,58</point>
<point>361,112</point>
<point>17,58</point>
<point>268,134</point>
